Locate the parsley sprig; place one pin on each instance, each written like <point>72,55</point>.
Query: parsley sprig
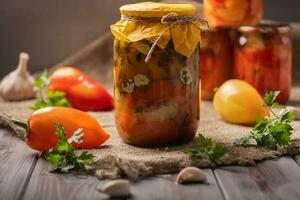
<point>63,156</point>
<point>274,131</point>
<point>48,97</point>
<point>207,149</point>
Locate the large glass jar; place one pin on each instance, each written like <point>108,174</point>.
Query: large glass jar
<point>263,58</point>
<point>156,102</point>
<point>216,60</point>
<point>233,12</point>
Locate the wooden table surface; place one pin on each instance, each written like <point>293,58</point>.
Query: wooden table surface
<point>24,175</point>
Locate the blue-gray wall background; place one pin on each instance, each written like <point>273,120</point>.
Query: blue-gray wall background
<point>50,30</point>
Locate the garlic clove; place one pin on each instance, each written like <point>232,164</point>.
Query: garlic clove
<point>191,175</point>
<point>18,84</point>
<point>165,111</point>
<point>128,86</point>
<point>116,188</point>
<point>140,80</point>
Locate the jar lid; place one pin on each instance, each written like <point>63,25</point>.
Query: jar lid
<point>265,28</point>
<point>154,9</point>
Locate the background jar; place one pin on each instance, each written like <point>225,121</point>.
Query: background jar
<point>216,60</point>
<point>233,12</point>
<point>263,58</point>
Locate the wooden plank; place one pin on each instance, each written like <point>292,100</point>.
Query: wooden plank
<point>268,180</point>
<point>9,142</point>
<point>44,185</point>
<point>285,177</point>
<point>236,183</point>
<point>16,164</point>
<point>297,159</point>
<point>157,188</point>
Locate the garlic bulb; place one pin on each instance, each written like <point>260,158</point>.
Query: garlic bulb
<point>18,84</point>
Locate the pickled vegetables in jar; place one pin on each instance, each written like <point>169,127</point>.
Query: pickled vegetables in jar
<point>233,12</point>
<point>263,58</point>
<point>216,60</point>
<point>156,100</point>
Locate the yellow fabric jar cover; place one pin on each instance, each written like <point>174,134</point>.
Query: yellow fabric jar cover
<point>185,36</point>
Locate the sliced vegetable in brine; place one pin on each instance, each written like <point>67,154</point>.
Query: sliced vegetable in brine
<point>157,102</point>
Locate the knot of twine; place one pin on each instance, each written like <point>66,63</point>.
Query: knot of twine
<point>170,20</point>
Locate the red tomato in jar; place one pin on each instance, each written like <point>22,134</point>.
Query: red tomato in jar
<point>265,70</point>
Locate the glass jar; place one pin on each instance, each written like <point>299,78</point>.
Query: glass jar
<point>263,58</point>
<point>156,102</point>
<point>233,12</point>
<point>216,60</point>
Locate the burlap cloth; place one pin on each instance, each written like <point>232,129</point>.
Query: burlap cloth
<point>118,159</point>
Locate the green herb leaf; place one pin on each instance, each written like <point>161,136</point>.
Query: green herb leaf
<point>54,95</point>
<point>287,116</point>
<point>43,81</point>
<point>48,97</point>
<point>194,153</point>
<point>63,156</point>
<point>52,98</point>
<point>244,140</point>
<point>207,149</point>
<point>77,137</point>
<point>40,104</point>
<point>86,158</point>
<point>55,158</point>
<point>271,97</point>
<point>274,131</point>
<point>60,132</point>
<point>276,105</point>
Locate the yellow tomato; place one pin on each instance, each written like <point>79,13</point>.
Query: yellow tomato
<point>238,102</point>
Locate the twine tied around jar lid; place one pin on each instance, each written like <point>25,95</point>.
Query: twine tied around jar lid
<point>170,20</point>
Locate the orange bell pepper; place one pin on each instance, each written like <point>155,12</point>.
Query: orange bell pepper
<point>82,91</point>
<point>41,130</point>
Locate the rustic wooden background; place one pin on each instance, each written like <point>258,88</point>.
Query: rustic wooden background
<point>51,30</point>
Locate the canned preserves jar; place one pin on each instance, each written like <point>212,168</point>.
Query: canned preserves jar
<point>263,58</point>
<point>233,12</point>
<point>156,73</point>
<point>216,60</point>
